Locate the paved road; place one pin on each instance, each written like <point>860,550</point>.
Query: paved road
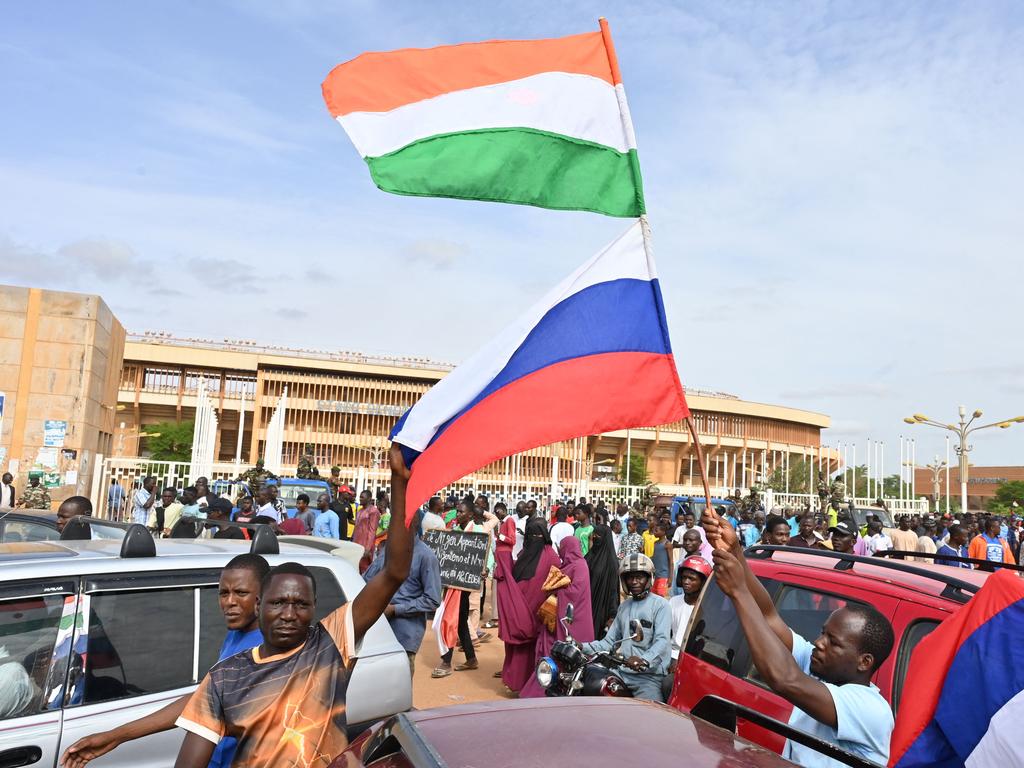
<point>460,687</point>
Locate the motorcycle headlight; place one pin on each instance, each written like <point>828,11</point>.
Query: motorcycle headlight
<point>546,672</point>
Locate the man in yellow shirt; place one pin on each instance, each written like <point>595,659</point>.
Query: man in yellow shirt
<point>649,537</point>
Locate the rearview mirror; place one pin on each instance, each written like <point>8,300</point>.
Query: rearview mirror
<point>569,613</point>
<point>636,631</point>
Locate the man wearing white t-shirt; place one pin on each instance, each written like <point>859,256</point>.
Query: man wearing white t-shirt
<point>561,529</point>
<point>522,517</point>
<point>827,681</point>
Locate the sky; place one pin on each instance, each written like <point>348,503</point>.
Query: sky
<point>834,190</point>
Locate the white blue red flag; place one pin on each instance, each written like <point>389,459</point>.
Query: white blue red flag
<point>963,697</point>
<point>592,356</point>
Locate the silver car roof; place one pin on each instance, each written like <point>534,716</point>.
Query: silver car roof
<point>73,558</point>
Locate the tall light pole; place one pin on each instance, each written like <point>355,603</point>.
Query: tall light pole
<point>962,430</point>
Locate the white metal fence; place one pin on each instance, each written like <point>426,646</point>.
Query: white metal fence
<point>129,472</point>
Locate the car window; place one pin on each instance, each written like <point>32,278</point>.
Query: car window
<point>29,661</point>
<point>913,635</point>
<point>140,641</point>
<point>24,530</point>
<point>288,493</point>
<point>805,610</point>
<point>211,628</point>
<point>715,632</point>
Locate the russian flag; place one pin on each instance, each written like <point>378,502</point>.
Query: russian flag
<point>964,692</point>
<point>592,356</point>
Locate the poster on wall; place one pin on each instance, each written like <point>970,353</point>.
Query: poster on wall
<point>54,432</point>
<point>46,462</point>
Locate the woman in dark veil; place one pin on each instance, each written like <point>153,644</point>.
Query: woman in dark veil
<point>520,594</point>
<point>604,579</point>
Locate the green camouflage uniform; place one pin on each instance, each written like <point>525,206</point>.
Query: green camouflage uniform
<point>256,477</point>
<point>306,470</point>
<point>838,492</point>
<point>823,488</point>
<point>35,498</point>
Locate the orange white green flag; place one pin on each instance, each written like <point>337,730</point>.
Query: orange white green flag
<point>532,122</point>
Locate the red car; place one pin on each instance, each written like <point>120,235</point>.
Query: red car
<point>555,732</point>
<point>807,585</point>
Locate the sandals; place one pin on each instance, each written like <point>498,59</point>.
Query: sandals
<point>441,672</point>
<point>469,665</point>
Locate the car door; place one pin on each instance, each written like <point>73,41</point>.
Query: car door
<point>36,627</point>
<point>145,641</point>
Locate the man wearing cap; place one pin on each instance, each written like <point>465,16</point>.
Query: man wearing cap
<point>843,537</point>
<point>342,507</point>
<point>690,578</point>
<point>35,496</point>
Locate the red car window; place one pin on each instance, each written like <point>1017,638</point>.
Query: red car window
<point>716,636</point>
<point>913,635</point>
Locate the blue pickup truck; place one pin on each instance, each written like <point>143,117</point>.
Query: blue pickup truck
<point>697,504</point>
<point>291,487</point>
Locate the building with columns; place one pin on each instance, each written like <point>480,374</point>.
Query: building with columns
<point>345,404</point>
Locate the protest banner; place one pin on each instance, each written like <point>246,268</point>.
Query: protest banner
<point>462,557</point>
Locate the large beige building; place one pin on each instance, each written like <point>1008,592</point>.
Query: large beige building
<point>60,364</point>
<point>345,404</point>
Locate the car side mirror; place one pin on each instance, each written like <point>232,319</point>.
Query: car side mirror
<point>569,611</point>
<point>636,631</point>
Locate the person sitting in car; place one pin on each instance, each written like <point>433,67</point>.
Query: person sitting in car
<point>827,681</point>
<point>647,657</point>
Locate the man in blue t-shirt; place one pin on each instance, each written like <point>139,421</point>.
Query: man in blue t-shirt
<point>238,593</point>
<point>956,546</point>
<point>828,682</point>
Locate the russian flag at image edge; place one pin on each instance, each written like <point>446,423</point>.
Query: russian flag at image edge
<point>963,697</point>
<point>592,356</point>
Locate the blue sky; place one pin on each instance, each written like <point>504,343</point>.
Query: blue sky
<point>834,187</point>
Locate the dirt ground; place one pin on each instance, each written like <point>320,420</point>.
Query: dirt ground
<point>459,687</point>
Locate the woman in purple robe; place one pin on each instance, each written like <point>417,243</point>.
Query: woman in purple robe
<point>520,594</point>
<point>577,593</point>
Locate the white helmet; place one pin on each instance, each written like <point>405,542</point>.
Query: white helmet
<point>637,563</point>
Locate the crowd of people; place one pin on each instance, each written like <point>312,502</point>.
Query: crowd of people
<point>614,566</point>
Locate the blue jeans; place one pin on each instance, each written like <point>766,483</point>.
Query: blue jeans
<point>644,685</point>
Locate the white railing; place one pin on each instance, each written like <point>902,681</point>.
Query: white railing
<point>129,472</point>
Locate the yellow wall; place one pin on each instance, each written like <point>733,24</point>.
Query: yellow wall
<point>60,359</point>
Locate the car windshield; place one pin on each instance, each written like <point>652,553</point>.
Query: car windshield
<point>288,493</point>
<point>860,515</point>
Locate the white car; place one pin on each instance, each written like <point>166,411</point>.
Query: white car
<point>94,634</point>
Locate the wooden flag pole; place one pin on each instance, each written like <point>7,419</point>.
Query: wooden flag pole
<point>702,466</point>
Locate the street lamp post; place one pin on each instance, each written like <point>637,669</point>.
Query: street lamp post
<point>962,430</point>
<point>936,468</point>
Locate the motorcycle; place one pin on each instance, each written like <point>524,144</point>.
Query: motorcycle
<point>568,671</point>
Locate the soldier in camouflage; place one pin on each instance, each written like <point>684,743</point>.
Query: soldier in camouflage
<point>35,496</point>
<point>335,481</point>
<point>837,492</point>
<point>824,490</point>
<point>256,477</point>
<point>306,469</point>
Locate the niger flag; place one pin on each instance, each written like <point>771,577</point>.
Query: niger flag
<point>532,122</point>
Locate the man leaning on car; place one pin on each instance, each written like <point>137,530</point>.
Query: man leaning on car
<point>827,681</point>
